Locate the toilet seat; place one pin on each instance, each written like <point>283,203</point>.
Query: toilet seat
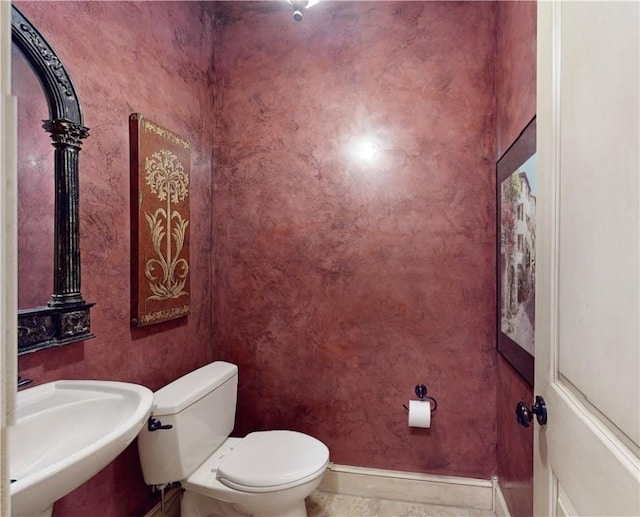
<point>265,461</point>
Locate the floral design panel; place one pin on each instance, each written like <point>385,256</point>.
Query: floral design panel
<point>160,163</point>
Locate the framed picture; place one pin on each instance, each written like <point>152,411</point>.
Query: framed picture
<point>160,166</point>
<point>516,252</point>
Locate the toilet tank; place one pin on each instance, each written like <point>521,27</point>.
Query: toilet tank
<point>200,407</point>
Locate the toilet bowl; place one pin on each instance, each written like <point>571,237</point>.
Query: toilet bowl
<point>266,473</point>
<point>207,492</point>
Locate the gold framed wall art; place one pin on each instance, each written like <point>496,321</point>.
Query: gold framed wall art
<point>160,167</point>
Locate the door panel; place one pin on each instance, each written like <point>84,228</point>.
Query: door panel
<point>564,506</point>
<point>588,273</point>
<point>598,209</point>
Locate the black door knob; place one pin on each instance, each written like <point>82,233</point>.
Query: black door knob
<point>524,415</point>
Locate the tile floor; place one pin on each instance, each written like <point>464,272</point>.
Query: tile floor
<point>326,504</point>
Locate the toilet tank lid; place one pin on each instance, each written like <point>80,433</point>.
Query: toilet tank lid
<point>190,388</point>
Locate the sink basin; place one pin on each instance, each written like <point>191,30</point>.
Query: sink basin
<point>65,433</point>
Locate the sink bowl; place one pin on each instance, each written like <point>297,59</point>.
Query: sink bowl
<point>65,433</point>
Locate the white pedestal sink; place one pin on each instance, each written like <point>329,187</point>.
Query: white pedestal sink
<point>65,433</point>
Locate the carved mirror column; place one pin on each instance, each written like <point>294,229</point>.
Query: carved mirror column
<point>65,317</point>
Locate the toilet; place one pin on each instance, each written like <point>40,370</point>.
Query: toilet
<point>265,474</point>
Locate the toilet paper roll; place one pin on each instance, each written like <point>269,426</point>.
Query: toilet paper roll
<point>419,413</point>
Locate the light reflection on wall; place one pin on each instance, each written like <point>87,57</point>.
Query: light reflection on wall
<point>368,157</point>
<point>365,150</point>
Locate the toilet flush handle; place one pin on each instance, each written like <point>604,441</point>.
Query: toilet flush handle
<point>153,424</point>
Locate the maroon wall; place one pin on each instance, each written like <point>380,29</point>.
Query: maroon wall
<point>516,105</point>
<point>339,282</point>
<point>342,282</point>
<point>124,57</point>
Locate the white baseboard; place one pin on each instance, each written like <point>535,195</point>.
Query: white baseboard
<point>392,484</point>
<point>409,486</point>
<point>500,507</point>
<point>171,505</point>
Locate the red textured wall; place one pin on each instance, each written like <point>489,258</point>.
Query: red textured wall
<point>515,69</point>
<point>124,57</point>
<point>338,282</point>
<point>516,105</point>
<point>341,281</point>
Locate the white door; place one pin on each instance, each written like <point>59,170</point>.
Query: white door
<point>587,457</point>
<point>8,254</point>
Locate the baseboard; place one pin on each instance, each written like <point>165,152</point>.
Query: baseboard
<point>391,484</point>
<point>408,486</point>
<point>171,505</point>
<point>500,506</point>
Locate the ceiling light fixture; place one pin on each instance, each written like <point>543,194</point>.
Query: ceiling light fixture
<point>299,6</point>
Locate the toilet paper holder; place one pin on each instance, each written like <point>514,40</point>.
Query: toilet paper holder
<point>421,392</point>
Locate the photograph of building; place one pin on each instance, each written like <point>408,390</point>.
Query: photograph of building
<point>518,238</point>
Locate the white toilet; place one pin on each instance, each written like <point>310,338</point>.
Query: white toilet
<point>266,473</point>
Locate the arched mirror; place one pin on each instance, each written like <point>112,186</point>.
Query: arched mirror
<point>49,195</point>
